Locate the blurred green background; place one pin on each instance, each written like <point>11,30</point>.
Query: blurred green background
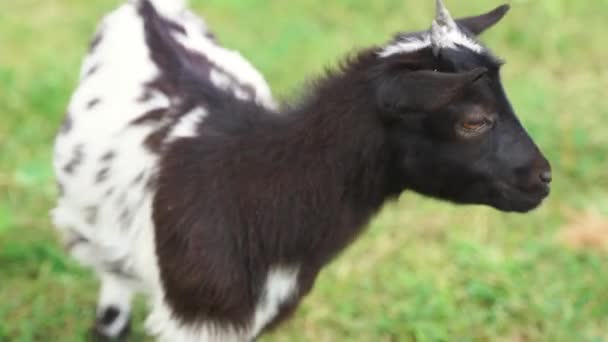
<point>425,271</point>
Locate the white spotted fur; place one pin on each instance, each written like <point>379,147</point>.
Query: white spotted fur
<point>123,65</point>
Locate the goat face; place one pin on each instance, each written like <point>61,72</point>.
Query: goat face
<point>454,132</point>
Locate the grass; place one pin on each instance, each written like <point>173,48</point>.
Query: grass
<point>425,270</point>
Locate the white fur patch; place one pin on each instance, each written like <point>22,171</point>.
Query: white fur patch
<point>169,7</point>
<point>187,124</point>
<point>219,79</point>
<point>281,285</point>
<point>162,324</point>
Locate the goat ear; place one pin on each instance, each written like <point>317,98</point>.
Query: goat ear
<point>424,90</point>
<point>480,23</point>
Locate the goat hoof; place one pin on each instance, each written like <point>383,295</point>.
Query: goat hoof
<point>103,324</point>
<point>96,335</point>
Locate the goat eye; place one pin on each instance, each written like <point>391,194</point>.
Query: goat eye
<point>474,126</point>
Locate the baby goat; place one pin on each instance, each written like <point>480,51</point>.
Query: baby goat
<point>179,179</point>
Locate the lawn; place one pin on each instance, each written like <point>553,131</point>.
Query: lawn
<point>425,270</point>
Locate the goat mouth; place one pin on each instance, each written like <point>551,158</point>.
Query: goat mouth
<point>515,199</point>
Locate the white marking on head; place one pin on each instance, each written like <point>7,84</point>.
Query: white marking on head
<point>444,37</point>
<point>444,33</point>
<point>453,40</point>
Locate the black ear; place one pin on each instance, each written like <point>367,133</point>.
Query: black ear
<point>482,22</point>
<point>423,90</point>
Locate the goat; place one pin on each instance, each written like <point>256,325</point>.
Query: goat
<point>183,181</point>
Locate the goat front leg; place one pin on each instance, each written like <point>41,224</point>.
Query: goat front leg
<point>113,314</point>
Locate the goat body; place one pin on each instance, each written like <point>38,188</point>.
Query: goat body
<point>180,179</point>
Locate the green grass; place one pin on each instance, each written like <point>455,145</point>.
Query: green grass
<point>425,271</point>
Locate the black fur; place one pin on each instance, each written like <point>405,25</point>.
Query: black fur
<point>67,124</point>
<point>91,213</point>
<point>93,103</point>
<point>91,71</point>
<point>108,156</point>
<point>102,175</point>
<point>95,41</point>
<point>78,156</point>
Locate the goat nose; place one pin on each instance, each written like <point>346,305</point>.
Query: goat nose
<point>546,177</point>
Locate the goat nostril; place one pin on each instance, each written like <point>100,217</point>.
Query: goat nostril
<point>546,177</point>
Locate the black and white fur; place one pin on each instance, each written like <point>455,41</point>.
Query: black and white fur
<point>104,164</point>
<point>181,180</point>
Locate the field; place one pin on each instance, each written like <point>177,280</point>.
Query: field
<point>425,270</point>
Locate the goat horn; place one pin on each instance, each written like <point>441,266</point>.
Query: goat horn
<point>442,25</point>
<point>443,17</point>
